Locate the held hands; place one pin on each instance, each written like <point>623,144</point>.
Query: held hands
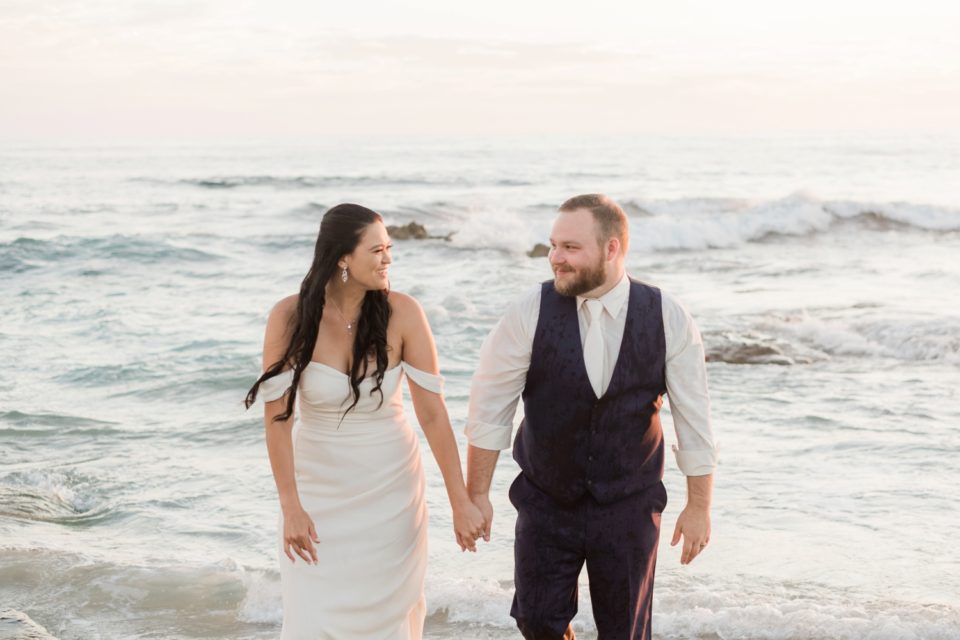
<point>485,509</point>
<point>468,524</point>
<point>694,525</point>
<point>299,534</point>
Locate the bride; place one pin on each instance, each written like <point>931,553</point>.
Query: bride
<point>348,472</point>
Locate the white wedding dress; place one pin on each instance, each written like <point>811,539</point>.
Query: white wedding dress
<point>361,481</point>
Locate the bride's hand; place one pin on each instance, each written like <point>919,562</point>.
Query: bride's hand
<point>299,534</point>
<point>468,524</point>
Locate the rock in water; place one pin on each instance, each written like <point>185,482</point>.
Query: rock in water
<point>411,231</point>
<point>414,231</point>
<point>539,250</point>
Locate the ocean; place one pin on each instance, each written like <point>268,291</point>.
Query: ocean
<point>136,499</point>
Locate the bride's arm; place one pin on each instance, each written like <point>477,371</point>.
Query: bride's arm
<point>420,352</point>
<point>299,533</point>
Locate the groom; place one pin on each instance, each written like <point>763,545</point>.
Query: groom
<point>591,352</point>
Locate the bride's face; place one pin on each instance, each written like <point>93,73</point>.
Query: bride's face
<point>369,263</point>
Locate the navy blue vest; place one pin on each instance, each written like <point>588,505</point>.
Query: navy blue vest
<point>570,442</point>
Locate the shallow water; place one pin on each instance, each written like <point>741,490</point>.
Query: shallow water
<point>135,495</point>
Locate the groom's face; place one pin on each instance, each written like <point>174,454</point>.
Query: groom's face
<point>575,254</point>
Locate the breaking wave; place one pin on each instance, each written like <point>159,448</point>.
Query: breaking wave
<point>802,338</point>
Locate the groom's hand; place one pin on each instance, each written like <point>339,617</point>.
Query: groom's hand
<point>483,503</point>
<point>694,525</point>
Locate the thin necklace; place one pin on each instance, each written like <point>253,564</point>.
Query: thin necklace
<point>349,324</point>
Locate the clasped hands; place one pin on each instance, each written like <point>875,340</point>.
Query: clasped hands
<point>471,522</point>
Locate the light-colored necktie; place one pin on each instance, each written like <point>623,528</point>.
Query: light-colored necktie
<point>593,350</point>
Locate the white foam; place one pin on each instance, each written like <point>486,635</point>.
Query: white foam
<point>735,607</point>
<point>484,601</point>
<point>685,606</point>
<point>476,600</point>
<point>17,624</point>
<point>64,490</point>
<point>262,603</point>
<point>494,227</point>
<point>922,216</point>
<point>902,339</point>
<point>756,609</point>
<point>692,224</point>
<point>702,223</point>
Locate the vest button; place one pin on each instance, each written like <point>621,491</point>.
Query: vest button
<point>589,482</point>
<point>590,458</point>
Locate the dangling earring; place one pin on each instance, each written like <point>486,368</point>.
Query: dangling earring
<point>344,276</point>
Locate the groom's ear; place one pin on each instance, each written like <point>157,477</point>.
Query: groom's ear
<point>613,248</point>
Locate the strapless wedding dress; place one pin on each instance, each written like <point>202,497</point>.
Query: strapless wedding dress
<point>361,481</point>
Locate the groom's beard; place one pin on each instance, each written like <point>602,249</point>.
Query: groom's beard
<point>584,280</point>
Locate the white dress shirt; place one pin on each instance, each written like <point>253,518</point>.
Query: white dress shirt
<point>505,357</point>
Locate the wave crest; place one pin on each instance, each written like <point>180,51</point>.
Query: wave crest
<point>697,223</point>
<point>308,181</point>
<point>801,338</point>
<point>60,498</point>
<point>25,254</point>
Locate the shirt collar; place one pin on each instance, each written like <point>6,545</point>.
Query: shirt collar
<point>614,299</point>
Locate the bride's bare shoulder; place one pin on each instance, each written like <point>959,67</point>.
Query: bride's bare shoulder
<point>400,301</point>
<point>281,314</point>
<point>404,307</point>
<point>285,307</point>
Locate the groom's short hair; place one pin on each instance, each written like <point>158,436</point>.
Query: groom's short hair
<point>610,218</point>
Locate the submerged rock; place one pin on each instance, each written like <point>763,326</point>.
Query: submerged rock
<point>749,354</point>
<point>755,348</point>
<point>539,250</point>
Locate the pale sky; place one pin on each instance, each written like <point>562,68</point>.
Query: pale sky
<point>286,69</point>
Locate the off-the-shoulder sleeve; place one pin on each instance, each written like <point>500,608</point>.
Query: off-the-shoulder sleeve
<point>428,381</point>
<point>277,386</point>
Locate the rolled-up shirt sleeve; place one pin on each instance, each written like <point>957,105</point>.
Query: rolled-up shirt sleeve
<point>696,451</point>
<point>501,375</point>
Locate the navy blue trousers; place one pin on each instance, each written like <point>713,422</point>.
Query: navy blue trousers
<point>618,543</point>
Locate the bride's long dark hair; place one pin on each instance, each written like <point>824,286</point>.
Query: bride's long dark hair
<point>340,232</point>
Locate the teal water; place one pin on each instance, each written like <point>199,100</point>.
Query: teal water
<point>135,495</point>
